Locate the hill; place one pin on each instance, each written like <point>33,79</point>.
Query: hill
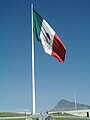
<point>65,105</point>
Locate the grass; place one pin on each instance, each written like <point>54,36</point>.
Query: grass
<point>16,119</point>
<point>56,119</point>
<point>66,119</point>
<point>61,114</point>
<point>12,114</point>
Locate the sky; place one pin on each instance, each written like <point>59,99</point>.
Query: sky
<point>54,81</point>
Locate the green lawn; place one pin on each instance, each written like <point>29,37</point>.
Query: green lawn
<point>61,114</point>
<point>12,114</point>
<point>58,119</point>
<point>17,119</point>
<point>70,119</point>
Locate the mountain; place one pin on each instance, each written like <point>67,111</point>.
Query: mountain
<point>65,105</point>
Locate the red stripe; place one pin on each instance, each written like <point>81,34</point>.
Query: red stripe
<point>58,49</point>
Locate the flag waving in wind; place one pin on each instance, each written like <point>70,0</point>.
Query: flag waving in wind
<point>46,35</point>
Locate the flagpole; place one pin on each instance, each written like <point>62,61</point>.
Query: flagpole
<point>33,76</point>
<point>75,101</point>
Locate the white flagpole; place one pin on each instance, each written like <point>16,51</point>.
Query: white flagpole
<point>75,101</point>
<point>33,76</point>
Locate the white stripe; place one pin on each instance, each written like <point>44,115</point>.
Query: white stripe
<point>47,44</point>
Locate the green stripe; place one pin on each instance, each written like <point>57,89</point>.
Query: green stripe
<point>37,24</point>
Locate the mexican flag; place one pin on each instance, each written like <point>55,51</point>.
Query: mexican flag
<point>51,43</point>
